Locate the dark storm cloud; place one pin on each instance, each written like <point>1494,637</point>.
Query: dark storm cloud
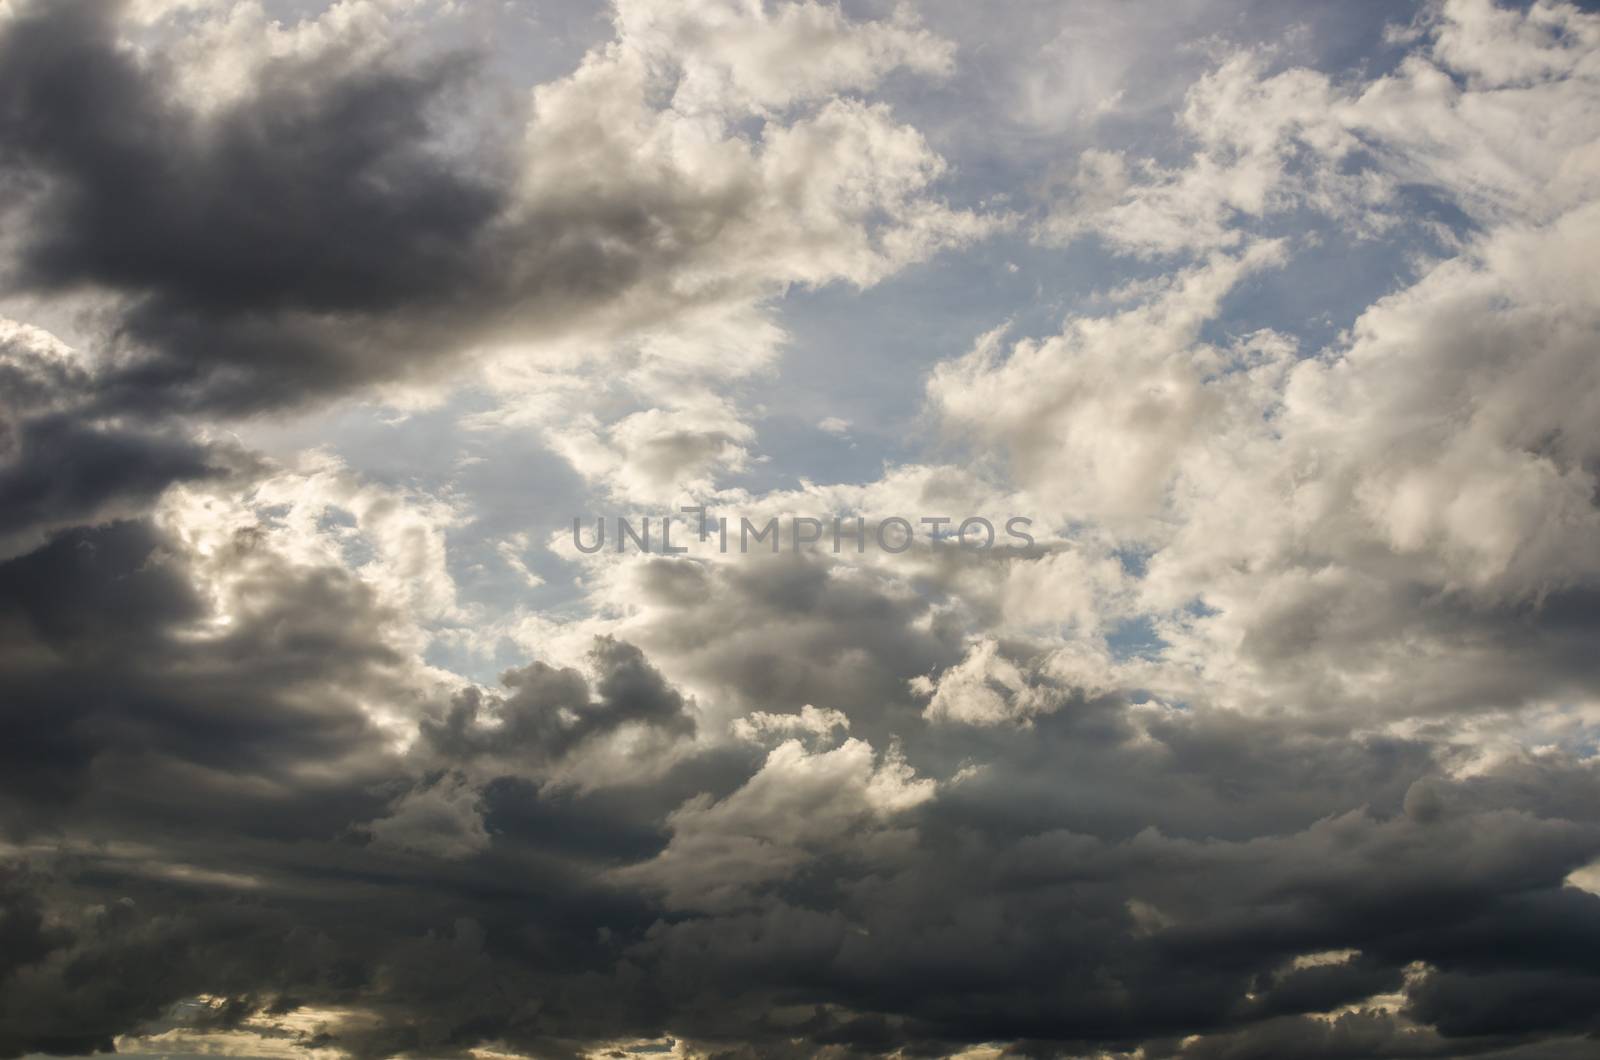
<point>318,194</point>
<point>191,799</point>
<point>1100,888</point>
<point>325,230</point>
<point>1110,877</point>
<point>63,472</point>
<point>1056,898</point>
<point>269,236</point>
<point>551,710</point>
<point>60,466</point>
<point>984,939</point>
<point>105,668</point>
<point>124,731</point>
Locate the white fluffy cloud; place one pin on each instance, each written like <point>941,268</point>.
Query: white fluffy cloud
<point>1310,522</point>
<point>1496,110</point>
<point>731,133</point>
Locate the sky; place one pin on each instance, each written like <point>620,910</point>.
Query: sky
<point>1253,348</point>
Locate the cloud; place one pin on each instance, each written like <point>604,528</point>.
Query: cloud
<point>798,802</point>
<point>443,820</point>
<point>1097,418</point>
<point>744,57</point>
<point>1320,533</point>
<point>61,465</point>
<point>1270,143</point>
<point>316,226</point>
<point>550,712</point>
<point>1279,737</point>
<point>988,688</point>
<point>809,721</point>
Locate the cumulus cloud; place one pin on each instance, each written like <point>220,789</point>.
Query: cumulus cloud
<point>800,802</point>
<point>1452,117</point>
<point>987,688</point>
<point>1323,532</point>
<point>443,820</point>
<point>551,713</point>
<point>1097,418</point>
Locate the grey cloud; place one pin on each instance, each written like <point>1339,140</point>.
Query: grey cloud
<point>107,678</point>
<point>550,711</point>
<point>781,631</point>
<point>62,472</point>
<point>274,235</point>
<point>1145,901</point>
<point>353,218</point>
<point>61,466</point>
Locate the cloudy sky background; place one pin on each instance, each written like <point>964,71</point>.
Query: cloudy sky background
<point>320,324</point>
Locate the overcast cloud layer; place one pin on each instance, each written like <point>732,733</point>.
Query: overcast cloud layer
<point>1278,735</point>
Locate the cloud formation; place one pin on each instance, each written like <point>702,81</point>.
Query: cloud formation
<point>335,216</point>
<point>1277,738</point>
